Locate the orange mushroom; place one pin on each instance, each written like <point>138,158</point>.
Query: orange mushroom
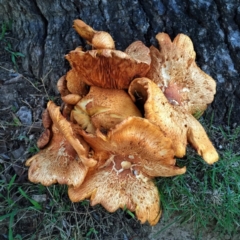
<point>70,132</point>
<point>47,134</point>
<point>114,191</point>
<point>175,71</point>
<point>98,39</point>
<point>103,109</point>
<point>66,157</point>
<point>129,156</point>
<point>178,124</point>
<point>99,144</point>
<point>107,68</point>
<point>58,162</point>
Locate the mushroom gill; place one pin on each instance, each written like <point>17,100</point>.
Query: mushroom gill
<point>107,68</point>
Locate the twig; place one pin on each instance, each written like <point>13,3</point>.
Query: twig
<point>42,79</point>
<point>16,79</point>
<point>32,84</point>
<point>27,103</point>
<point>23,77</point>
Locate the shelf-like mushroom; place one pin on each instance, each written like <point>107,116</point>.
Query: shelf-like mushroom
<point>57,162</point>
<point>107,68</point>
<point>98,142</point>
<point>130,155</point>
<point>178,124</point>
<point>174,70</point>
<point>114,191</point>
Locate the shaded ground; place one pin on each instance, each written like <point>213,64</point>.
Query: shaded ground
<point>22,100</point>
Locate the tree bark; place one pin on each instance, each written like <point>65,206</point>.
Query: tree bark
<point>45,34</point>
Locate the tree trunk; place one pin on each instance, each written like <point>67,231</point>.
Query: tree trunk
<point>45,34</point>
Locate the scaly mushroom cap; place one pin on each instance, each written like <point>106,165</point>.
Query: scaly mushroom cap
<point>129,156</point>
<point>115,191</point>
<point>57,162</point>
<point>178,125</point>
<point>137,143</point>
<point>175,71</point>
<point>107,68</point>
<point>103,109</point>
<point>98,39</point>
<point>70,133</point>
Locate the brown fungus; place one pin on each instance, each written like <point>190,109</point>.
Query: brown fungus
<point>129,156</point>
<point>70,132</point>
<point>103,109</point>
<point>98,39</point>
<point>174,70</point>
<point>47,134</point>
<point>177,124</point>
<point>58,162</point>
<point>107,68</point>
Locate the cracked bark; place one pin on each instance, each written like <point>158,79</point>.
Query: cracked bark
<point>44,32</point>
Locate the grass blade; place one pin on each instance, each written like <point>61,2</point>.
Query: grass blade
<point>36,205</point>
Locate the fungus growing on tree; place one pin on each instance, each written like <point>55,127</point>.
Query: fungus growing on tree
<point>98,39</point>
<point>108,68</point>
<point>100,145</point>
<point>174,70</point>
<point>65,158</point>
<point>129,156</point>
<point>178,124</point>
<point>58,162</point>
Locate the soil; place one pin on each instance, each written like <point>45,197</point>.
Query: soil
<point>22,100</point>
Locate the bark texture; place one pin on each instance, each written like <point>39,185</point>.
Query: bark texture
<point>44,32</point>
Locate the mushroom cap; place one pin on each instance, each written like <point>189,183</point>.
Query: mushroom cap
<point>98,39</point>
<point>175,71</point>
<point>71,99</point>
<point>138,142</point>
<point>75,83</point>
<point>103,108</point>
<point>178,125</point>
<point>46,119</point>
<point>115,191</point>
<point>62,86</point>
<point>107,68</point>
<point>71,133</point>
<point>57,162</point>
<point>47,134</point>
<point>44,138</point>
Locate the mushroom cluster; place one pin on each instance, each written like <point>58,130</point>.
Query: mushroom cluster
<point>125,117</point>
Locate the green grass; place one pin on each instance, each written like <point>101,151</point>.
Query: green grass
<point>6,42</point>
<point>207,197</point>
